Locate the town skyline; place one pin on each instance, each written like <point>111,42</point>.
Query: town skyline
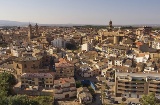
<point>79,12</point>
<point>79,52</point>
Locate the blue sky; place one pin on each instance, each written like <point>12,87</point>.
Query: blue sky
<point>81,11</point>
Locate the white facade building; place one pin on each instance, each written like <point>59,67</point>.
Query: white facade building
<point>142,58</point>
<point>118,62</point>
<point>59,42</point>
<point>64,88</point>
<point>86,47</point>
<point>15,52</point>
<point>156,44</point>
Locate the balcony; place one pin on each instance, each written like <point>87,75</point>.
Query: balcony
<point>58,91</point>
<point>73,88</point>
<point>66,89</point>
<point>122,88</point>
<point>131,89</point>
<point>120,91</point>
<point>137,85</point>
<point>153,86</point>
<point>121,84</point>
<point>57,87</point>
<point>136,89</point>
<point>154,89</point>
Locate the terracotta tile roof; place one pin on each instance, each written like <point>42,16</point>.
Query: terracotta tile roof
<point>63,63</point>
<point>64,80</point>
<point>139,43</point>
<point>37,75</point>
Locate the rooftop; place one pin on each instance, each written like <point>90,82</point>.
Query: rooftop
<point>63,63</point>
<point>37,75</point>
<point>28,58</point>
<point>138,74</point>
<point>64,80</point>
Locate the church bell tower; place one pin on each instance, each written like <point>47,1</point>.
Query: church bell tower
<point>110,25</point>
<point>30,35</point>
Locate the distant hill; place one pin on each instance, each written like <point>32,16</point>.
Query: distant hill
<point>13,23</point>
<point>16,23</point>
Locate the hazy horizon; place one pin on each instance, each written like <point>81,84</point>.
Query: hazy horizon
<point>98,12</point>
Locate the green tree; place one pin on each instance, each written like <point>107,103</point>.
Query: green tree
<point>149,99</point>
<point>21,100</point>
<point>123,100</point>
<point>44,100</point>
<point>6,83</point>
<point>91,90</point>
<point>78,84</point>
<point>107,87</point>
<point>18,100</point>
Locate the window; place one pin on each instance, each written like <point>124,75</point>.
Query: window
<point>25,66</point>
<point>17,66</point>
<point>34,66</point>
<point>61,71</point>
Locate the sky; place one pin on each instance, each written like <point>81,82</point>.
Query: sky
<point>121,12</point>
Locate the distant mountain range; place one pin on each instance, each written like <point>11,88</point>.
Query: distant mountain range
<point>16,23</point>
<point>12,23</point>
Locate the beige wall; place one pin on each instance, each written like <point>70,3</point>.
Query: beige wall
<point>35,81</point>
<point>26,66</point>
<point>62,96</point>
<point>62,90</point>
<point>66,72</point>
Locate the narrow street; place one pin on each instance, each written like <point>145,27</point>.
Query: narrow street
<point>97,91</point>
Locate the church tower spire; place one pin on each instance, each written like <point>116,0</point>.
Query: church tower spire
<point>36,30</point>
<point>110,25</point>
<point>30,31</point>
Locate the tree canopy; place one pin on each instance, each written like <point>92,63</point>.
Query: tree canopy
<point>26,100</point>
<point>7,81</point>
<point>149,99</point>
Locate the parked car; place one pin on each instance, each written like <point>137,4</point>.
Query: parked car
<point>108,97</point>
<point>106,93</point>
<point>112,99</point>
<point>98,84</point>
<point>116,102</point>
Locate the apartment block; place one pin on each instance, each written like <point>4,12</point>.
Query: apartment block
<point>84,96</point>
<point>44,80</point>
<point>86,47</point>
<point>59,43</point>
<point>64,88</point>
<point>35,84</point>
<point>135,85</point>
<point>64,69</point>
<point>27,64</point>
